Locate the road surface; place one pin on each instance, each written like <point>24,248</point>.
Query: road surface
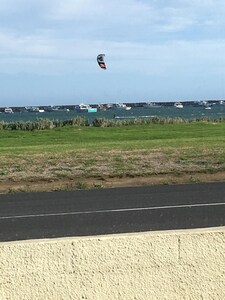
<point>105,211</point>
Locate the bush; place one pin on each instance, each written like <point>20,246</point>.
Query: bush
<point>45,124</point>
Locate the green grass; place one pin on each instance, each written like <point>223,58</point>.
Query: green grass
<point>76,154</point>
<point>151,136</point>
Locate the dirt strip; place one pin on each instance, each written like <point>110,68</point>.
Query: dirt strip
<point>9,186</point>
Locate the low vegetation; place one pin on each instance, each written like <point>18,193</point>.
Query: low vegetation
<point>44,124</point>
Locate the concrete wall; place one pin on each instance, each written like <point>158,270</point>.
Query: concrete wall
<point>148,266</point>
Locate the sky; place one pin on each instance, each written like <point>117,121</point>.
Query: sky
<point>155,50</point>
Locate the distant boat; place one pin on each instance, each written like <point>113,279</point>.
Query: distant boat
<point>92,109</point>
<point>151,105</point>
<point>82,107</point>
<point>35,109</point>
<point>206,104</point>
<point>121,106</point>
<point>178,105</point>
<point>8,110</point>
<point>102,107</point>
<point>52,108</point>
<point>32,109</point>
<point>85,108</point>
<point>201,103</point>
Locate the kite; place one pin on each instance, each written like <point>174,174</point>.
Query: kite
<point>100,60</point>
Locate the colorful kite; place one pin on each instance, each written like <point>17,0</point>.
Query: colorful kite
<point>100,60</point>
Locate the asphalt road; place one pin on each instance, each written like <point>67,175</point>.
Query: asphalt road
<point>93,212</point>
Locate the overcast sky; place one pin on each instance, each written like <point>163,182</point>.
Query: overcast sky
<point>156,50</point>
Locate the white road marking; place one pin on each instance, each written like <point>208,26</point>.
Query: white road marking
<point>112,210</point>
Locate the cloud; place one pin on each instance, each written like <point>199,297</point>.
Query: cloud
<point>127,20</point>
<point>144,35</point>
<point>15,46</point>
<point>157,15</point>
<point>41,54</point>
<point>67,9</point>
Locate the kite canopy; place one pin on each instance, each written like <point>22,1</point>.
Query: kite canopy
<point>100,60</point>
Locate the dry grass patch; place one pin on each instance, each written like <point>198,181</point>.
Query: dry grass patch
<point>72,167</point>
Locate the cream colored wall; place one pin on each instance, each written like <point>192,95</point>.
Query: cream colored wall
<point>148,266</point>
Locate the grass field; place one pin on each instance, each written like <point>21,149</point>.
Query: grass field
<point>87,157</point>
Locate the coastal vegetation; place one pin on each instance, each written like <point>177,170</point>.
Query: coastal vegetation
<point>78,155</point>
<point>44,124</point>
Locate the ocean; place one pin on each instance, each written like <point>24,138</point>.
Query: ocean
<point>187,112</point>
